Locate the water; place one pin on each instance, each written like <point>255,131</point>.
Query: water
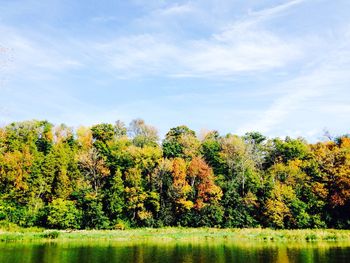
<point>211,251</point>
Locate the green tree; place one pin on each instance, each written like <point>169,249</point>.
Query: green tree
<point>114,197</point>
<point>63,214</point>
<point>181,142</point>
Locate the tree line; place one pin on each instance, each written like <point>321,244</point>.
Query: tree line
<point>112,176</point>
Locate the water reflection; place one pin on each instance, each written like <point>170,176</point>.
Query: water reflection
<point>209,251</point>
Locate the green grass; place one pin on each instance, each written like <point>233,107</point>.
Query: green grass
<point>175,234</point>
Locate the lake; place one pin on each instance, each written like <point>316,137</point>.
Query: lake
<point>162,252</point>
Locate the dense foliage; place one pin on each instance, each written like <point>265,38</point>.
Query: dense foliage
<point>112,176</point>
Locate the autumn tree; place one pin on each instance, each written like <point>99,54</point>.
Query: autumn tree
<point>202,179</point>
<point>93,168</point>
<point>143,134</point>
<point>207,194</point>
<point>181,188</point>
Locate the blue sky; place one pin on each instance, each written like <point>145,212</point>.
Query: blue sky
<point>278,67</point>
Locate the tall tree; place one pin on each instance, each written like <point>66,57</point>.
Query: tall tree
<point>143,134</point>
<point>181,142</point>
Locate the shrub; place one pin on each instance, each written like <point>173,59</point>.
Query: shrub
<point>122,225</point>
<point>50,234</point>
<point>62,214</point>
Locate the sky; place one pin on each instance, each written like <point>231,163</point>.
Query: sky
<point>280,67</point>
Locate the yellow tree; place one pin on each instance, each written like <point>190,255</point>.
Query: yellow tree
<point>277,211</point>
<point>181,187</point>
<point>334,162</point>
<point>15,172</point>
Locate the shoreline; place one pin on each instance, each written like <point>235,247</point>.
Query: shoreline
<point>177,234</point>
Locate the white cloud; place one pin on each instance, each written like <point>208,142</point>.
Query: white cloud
<point>229,53</point>
<point>175,10</point>
<point>31,55</point>
<point>241,47</point>
<point>275,10</point>
<point>326,81</point>
<point>104,19</point>
<point>222,54</point>
<point>215,40</point>
<point>255,19</point>
<point>136,55</point>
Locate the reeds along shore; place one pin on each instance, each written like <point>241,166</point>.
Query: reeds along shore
<point>176,234</point>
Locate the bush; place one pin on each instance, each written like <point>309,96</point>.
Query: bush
<point>50,234</point>
<point>62,214</point>
<point>122,225</point>
<point>93,214</point>
<point>8,226</point>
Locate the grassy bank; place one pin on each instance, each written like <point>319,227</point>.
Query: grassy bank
<point>175,234</point>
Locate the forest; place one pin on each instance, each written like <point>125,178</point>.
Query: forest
<point>113,176</point>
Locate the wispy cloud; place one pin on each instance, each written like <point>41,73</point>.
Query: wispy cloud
<point>136,55</point>
<point>175,10</point>
<point>33,55</point>
<point>275,10</point>
<point>251,64</point>
<point>244,46</point>
<point>104,19</point>
<point>234,49</point>
<point>253,20</point>
<point>222,54</point>
<point>324,82</point>
<point>229,53</point>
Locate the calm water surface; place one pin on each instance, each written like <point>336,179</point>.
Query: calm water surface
<point>203,252</point>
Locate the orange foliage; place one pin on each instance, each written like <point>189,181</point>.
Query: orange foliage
<point>207,190</point>
<point>180,184</point>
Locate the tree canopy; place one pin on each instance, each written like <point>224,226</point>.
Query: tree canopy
<point>112,176</point>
